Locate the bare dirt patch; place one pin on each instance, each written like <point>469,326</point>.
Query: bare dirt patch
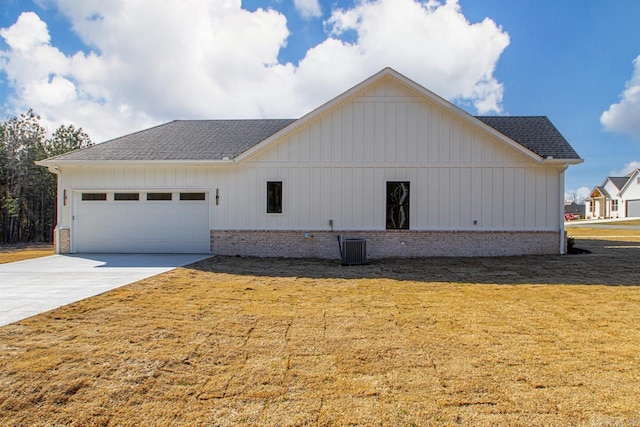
<point>546,340</point>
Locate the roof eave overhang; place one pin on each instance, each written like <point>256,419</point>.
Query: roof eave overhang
<point>553,160</point>
<point>57,163</point>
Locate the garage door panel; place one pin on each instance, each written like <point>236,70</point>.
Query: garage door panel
<point>633,208</point>
<point>142,226</point>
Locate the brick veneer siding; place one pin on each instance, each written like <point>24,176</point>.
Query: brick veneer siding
<point>385,244</point>
<point>64,234</point>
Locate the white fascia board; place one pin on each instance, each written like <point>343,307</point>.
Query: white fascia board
<point>553,160</point>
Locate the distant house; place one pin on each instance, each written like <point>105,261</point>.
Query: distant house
<point>616,197</point>
<point>387,161</point>
<point>575,209</point>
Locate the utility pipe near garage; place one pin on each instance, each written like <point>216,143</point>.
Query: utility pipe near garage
<point>561,197</point>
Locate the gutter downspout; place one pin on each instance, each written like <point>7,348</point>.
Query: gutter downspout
<point>561,196</point>
<point>56,230</point>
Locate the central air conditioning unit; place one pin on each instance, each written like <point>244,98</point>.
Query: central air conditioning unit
<point>354,251</point>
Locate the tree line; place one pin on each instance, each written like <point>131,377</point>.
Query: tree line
<point>28,191</point>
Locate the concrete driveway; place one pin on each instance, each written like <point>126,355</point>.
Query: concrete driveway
<point>38,285</point>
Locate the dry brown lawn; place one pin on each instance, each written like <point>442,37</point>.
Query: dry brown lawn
<point>538,340</point>
<point>613,234</point>
<point>622,222</point>
<point>13,253</point>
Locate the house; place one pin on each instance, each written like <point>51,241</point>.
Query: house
<point>574,210</point>
<point>616,197</point>
<point>387,161</point>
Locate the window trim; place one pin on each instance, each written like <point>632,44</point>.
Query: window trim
<point>275,212</point>
<point>388,205</point>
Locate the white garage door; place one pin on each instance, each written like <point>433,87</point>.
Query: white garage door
<point>633,208</point>
<point>141,222</point>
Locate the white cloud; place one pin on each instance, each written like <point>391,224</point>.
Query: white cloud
<point>432,42</point>
<point>308,8</point>
<point>28,33</point>
<point>52,93</point>
<point>213,59</point>
<point>626,169</point>
<point>623,116</point>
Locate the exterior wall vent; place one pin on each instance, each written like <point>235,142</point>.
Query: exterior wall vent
<point>354,251</point>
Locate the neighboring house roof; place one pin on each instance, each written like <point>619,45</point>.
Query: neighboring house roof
<point>536,133</point>
<point>183,140</point>
<point>618,181</point>
<point>599,192</point>
<point>235,140</point>
<point>631,177</point>
<point>574,208</point>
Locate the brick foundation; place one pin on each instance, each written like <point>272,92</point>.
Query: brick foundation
<point>385,244</point>
<point>64,234</point>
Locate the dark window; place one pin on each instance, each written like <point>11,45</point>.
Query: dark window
<point>274,197</point>
<point>94,196</point>
<point>159,196</point>
<point>614,205</point>
<point>126,196</point>
<point>397,205</point>
<point>191,196</point>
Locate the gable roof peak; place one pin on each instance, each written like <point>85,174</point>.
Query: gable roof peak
<point>618,181</point>
<point>239,139</point>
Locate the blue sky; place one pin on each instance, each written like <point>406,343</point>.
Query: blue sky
<point>113,69</point>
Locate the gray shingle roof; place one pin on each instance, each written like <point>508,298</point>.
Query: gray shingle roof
<point>536,133</point>
<point>619,181</point>
<point>184,140</point>
<point>194,140</point>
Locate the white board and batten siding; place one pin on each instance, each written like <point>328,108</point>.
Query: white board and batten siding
<point>337,165</point>
<point>336,168</point>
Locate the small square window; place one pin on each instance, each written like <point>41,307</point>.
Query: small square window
<point>274,197</point>
<point>126,196</point>
<point>192,196</point>
<point>94,197</point>
<point>159,196</point>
